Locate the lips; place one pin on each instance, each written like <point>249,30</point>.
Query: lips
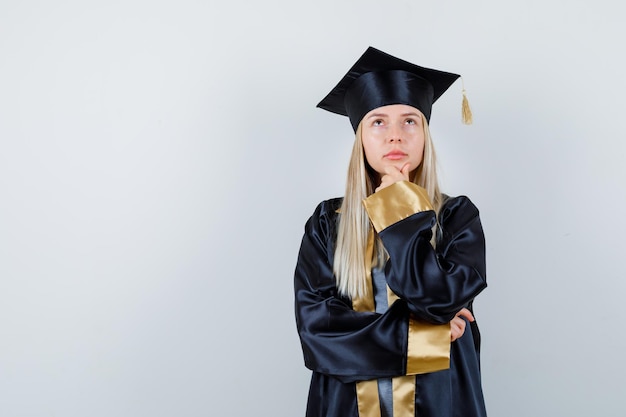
<point>395,155</point>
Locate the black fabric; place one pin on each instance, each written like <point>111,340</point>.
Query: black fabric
<point>342,346</point>
<point>378,79</point>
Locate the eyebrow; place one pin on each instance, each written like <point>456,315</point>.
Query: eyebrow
<point>377,115</point>
<point>386,115</point>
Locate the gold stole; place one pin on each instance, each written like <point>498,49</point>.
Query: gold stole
<point>403,386</point>
<point>428,350</point>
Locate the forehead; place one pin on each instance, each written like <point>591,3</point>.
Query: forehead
<point>393,110</point>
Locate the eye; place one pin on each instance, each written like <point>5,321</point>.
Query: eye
<point>377,122</point>
<point>410,122</point>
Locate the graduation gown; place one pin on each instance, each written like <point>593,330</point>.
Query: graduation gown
<point>350,352</point>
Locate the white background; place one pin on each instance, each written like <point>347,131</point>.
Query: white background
<point>158,160</point>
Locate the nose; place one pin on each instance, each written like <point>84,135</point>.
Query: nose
<point>395,134</point>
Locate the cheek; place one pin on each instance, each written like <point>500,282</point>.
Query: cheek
<point>370,158</point>
<point>418,151</point>
<point>369,147</point>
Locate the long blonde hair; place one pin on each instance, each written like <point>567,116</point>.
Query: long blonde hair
<point>354,224</point>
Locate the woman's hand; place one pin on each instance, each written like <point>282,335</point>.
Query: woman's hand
<point>457,325</point>
<point>393,175</point>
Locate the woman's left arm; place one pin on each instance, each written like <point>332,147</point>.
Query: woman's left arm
<point>436,283</point>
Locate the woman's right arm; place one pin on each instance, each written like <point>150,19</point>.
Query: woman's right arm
<point>337,340</point>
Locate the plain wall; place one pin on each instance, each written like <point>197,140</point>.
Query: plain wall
<point>158,161</point>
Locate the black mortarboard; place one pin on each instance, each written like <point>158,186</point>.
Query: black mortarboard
<point>379,79</point>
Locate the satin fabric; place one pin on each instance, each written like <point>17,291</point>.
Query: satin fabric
<point>342,346</point>
<point>378,79</point>
<point>376,89</point>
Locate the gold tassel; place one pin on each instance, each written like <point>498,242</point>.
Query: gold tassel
<point>466,112</point>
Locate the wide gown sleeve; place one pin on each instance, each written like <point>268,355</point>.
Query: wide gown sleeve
<point>336,340</point>
<point>432,285</point>
<point>435,282</point>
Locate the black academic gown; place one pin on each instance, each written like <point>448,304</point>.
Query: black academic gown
<point>342,346</point>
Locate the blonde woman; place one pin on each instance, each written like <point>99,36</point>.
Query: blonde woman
<point>386,276</point>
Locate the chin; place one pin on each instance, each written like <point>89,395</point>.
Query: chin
<point>400,164</point>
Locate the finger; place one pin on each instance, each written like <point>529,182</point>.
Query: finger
<point>460,323</point>
<point>453,337</point>
<point>465,313</point>
<point>455,331</point>
<point>385,181</point>
<point>457,324</point>
<point>391,170</point>
<point>405,170</point>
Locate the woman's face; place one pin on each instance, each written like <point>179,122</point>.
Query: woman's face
<point>393,135</point>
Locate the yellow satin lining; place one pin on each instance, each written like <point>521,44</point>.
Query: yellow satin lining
<point>391,297</point>
<point>367,391</point>
<point>367,398</point>
<point>428,348</point>
<point>403,396</point>
<point>403,386</point>
<point>395,203</point>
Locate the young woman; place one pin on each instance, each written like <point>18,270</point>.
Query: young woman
<point>386,276</point>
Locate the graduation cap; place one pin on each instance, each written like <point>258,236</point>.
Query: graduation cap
<point>378,79</point>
